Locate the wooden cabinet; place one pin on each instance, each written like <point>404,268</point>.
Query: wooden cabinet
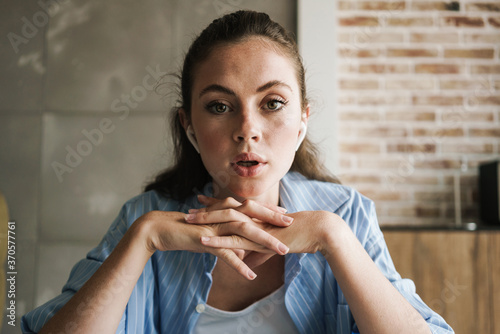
<point>457,273</point>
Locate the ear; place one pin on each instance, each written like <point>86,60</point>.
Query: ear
<point>303,127</point>
<point>189,129</point>
<point>183,118</point>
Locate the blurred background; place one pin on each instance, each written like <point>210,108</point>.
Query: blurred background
<point>405,99</point>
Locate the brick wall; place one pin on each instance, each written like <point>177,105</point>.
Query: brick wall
<point>418,98</point>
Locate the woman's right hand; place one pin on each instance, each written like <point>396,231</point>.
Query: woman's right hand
<point>167,231</point>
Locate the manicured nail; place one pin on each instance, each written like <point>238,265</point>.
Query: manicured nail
<point>287,219</point>
<point>190,217</point>
<point>251,274</point>
<point>193,210</point>
<point>283,249</point>
<point>205,239</point>
<point>282,210</point>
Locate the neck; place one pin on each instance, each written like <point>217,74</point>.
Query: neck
<point>271,196</point>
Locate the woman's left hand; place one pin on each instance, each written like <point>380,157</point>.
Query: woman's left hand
<point>307,234</point>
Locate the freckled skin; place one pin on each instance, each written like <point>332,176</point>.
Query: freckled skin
<point>249,125</point>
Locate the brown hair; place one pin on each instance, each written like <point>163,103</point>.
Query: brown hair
<point>188,174</point>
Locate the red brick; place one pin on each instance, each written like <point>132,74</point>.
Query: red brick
<point>464,84</point>
<point>433,5</point>
<point>382,195</point>
<point>438,132</point>
<point>384,68</point>
<point>410,21</point>
<point>462,116</point>
<point>379,99</point>
<point>383,132</point>
<point>485,69</point>
<point>411,148</point>
<point>437,68</point>
<point>379,38</point>
<point>433,196</point>
<point>345,5</point>
<point>410,84</point>
<point>358,53</point>
<point>358,116</point>
<point>467,148</point>
<point>483,7</point>
<point>413,53</point>
<point>494,22</point>
<point>357,179</point>
<point>381,5</point>
<point>359,148</point>
<point>482,38</point>
<point>469,53</point>
<point>405,115</point>
<point>358,84</point>
<point>434,38</point>
<point>358,21</point>
<point>478,132</point>
<point>437,100</point>
<point>484,100</point>
<point>462,21</point>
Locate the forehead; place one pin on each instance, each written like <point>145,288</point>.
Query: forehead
<point>246,65</point>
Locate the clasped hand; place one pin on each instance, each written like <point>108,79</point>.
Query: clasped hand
<point>244,235</point>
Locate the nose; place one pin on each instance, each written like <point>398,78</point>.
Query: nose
<point>248,127</point>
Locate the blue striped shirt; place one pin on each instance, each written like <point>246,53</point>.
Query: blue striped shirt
<point>174,283</point>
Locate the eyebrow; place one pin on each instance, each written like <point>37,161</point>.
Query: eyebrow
<point>222,89</point>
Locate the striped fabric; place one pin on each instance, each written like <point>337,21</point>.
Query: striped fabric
<point>174,285</point>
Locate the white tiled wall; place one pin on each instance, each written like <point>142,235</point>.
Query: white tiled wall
<point>68,78</point>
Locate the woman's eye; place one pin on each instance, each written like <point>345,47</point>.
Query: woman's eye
<point>218,108</point>
<point>275,105</point>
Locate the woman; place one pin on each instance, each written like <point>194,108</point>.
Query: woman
<point>240,140</point>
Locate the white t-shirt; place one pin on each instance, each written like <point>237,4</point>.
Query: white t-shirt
<point>266,316</point>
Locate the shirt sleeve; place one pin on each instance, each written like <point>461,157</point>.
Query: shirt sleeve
<point>33,321</point>
<point>373,240</point>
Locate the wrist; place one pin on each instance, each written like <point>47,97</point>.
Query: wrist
<point>333,233</point>
<point>141,234</point>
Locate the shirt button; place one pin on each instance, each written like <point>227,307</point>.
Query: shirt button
<point>200,308</point>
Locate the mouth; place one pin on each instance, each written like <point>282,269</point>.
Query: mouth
<point>248,164</point>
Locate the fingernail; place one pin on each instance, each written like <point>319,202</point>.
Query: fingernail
<point>282,210</point>
<point>190,217</point>
<point>205,239</point>
<point>287,219</point>
<point>193,210</point>
<point>283,248</point>
<point>251,274</point>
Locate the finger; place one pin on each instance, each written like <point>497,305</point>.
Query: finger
<point>232,242</point>
<point>218,204</point>
<point>242,213</point>
<point>210,201</point>
<point>228,256</point>
<point>257,210</point>
<point>253,233</point>
<point>255,259</point>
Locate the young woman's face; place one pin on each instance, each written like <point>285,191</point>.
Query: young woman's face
<point>246,115</point>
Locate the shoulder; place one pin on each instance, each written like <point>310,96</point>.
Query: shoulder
<point>320,195</point>
<point>149,201</point>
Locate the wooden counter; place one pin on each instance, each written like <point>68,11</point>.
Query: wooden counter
<point>457,273</point>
